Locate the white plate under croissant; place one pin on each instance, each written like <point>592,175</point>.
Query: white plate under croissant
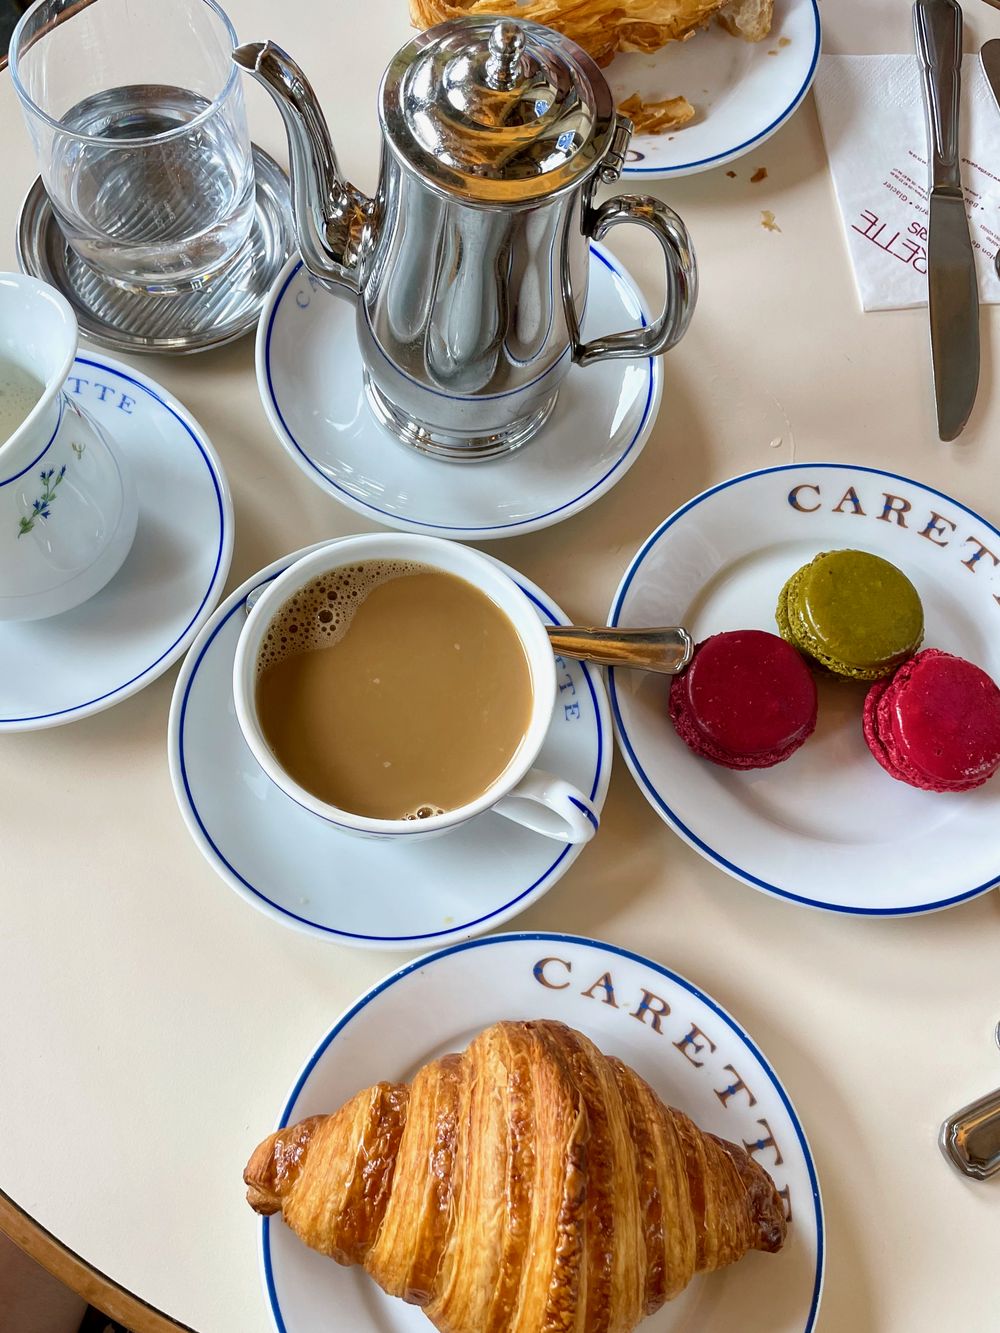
<point>690,1052</point>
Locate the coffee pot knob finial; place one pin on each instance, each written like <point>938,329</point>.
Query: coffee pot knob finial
<point>503,67</point>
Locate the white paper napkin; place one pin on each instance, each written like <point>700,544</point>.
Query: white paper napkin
<point>872,117</point>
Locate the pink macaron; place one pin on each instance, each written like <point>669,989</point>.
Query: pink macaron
<point>746,701</point>
<point>935,723</point>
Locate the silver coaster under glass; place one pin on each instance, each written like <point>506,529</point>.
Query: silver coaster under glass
<point>197,321</point>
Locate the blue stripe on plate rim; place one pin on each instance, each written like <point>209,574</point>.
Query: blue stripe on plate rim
<point>657,800</point>
<point>222,555</point>
<point>394,940</point>
<point>357,502</point>
<point>730,154</point>
<point>427,960</point>
<point>587,814</point>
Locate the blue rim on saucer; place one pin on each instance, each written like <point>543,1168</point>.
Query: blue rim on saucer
<point>737,151</point>
<point>657,798</point>
<point>428,961</point>
<point>563,855</point>
<point>178,636</point>
<point>628,451</point>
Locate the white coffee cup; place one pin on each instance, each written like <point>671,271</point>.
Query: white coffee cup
<point>68,506</point>
<point>543,802</point>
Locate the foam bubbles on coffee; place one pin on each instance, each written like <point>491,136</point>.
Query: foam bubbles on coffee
<point>393,690</point>
<point>320,614</point>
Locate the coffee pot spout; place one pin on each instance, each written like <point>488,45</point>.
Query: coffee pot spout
<point>333,220</point>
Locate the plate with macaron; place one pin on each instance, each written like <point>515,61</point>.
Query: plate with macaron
<point>835,739</point>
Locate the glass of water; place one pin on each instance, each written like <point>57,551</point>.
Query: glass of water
<point>136,112</point>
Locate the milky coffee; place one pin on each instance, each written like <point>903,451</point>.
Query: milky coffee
<point>393,690</point>
<point>19,393</point>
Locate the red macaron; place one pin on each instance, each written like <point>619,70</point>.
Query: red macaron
<point>935,723</point>
<point>746,701</point>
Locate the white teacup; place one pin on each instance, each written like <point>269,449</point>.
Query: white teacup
<point>540,801</point>
<point>68,507</point>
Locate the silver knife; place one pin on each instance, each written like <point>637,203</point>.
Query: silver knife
<point>952,293</point>
<point>989,57</point>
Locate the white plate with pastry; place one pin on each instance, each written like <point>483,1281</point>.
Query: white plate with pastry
<point>704,81</point>
<point>585,1188</point>
<point>726,94</point>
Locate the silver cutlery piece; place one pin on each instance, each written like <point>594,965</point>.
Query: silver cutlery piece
<point>989,56</point>
<point>952,292</point>
<point>666,650</point>
<point>970,1139</point>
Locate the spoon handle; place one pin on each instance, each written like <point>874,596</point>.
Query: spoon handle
<point>667,650</point>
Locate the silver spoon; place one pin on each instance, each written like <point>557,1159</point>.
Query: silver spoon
<point>666,650</point>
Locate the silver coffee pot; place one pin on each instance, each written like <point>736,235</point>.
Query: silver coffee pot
<point>469,266</point>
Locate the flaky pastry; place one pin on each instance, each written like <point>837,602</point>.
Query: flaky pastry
<point>528,1185</point>
<point>656,117</point>
<point>605,27</point>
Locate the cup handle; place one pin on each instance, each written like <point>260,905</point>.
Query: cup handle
<point>550,806</point>
<point>681,281</point>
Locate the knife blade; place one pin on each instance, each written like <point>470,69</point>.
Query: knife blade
<point>989,57</point>
<point>952,290</point>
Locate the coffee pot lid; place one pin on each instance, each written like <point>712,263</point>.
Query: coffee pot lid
<point>497,111</point>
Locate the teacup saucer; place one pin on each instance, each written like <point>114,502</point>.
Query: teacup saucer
<point>309,375</point>
<point>70,666</point>
<point>356,891</point>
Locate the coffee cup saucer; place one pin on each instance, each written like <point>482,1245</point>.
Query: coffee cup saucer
<point>298,870</point>
<point>310,379</point>
<point>72,665</point>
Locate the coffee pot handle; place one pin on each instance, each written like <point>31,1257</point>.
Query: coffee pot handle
<point>681,273</point>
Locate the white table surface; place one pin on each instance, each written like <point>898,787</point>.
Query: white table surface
<point>152,1022</point>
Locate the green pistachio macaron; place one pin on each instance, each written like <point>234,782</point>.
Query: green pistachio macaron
<point>854,613</point>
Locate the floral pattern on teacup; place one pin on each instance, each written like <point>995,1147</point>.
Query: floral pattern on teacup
<point>42,507</point>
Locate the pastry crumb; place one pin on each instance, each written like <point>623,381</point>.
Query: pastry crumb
<point>731,175</point>
<point>759,175</point>
<point>767,220</point>
<point>670,113</point>
<point>784,41</point>
<point>773,51</point>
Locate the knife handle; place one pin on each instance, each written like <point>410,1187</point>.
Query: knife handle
<point>937,29</point>
<point>970,1138</point>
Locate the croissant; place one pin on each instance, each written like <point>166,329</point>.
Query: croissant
<point>529,1185</point>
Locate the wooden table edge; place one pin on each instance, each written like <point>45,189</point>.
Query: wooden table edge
<point>76,1273</point>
